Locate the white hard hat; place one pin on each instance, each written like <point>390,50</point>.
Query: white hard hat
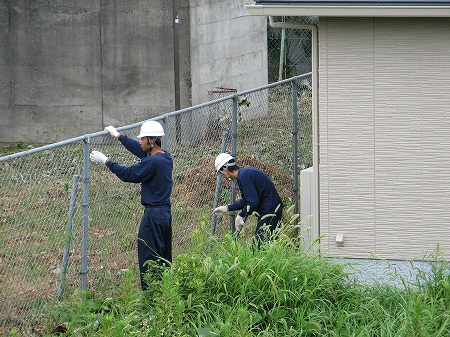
<point>222,159</point>
<point>151,129</point>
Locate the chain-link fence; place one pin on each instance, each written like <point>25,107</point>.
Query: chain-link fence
<point>66,224</point>
<point>289,49</point>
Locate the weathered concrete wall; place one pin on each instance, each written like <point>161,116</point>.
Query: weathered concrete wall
<point>49,69</point>
<point>137,60</point>
<point>228,50</point>
<point>71,67</point>
<point>228,47</point>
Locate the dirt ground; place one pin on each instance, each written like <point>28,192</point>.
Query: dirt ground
<point>198,185</point>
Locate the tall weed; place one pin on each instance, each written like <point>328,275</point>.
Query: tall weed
<point>230,287</point>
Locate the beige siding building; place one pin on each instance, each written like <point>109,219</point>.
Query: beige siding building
<point>383,125</point>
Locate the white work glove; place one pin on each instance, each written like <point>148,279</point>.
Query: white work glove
<point>98,157</point>
<point>112,131</point>
<point>221,210</point>
<point>239,223</point>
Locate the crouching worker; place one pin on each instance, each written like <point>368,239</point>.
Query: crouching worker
<point>154,173</point>
<point>258,194</point>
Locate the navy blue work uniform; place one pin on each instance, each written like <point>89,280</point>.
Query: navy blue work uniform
<point>154,173</point>
<point>259,193</point>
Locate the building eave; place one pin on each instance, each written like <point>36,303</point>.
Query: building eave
<point>349,11</point>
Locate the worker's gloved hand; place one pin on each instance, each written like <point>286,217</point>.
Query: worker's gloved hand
<point>221,210</point>
<point>112,131</point>
<point>239,223</point>
<point>98,157</point>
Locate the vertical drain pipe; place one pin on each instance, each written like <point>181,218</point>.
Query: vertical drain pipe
<point>315,230</point>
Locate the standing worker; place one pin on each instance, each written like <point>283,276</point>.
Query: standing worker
<point>258,195</point>
<point>154,173</point>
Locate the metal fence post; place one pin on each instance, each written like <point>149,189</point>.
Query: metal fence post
<point>234,125</point>
<point>85,205</point>
<point>233,153</point>
<point>166,131</point>
<point>294,148</point>
<point>218,184</point>
<point>73,197</point>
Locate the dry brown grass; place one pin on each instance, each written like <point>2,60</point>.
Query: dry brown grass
<point>198,184</point>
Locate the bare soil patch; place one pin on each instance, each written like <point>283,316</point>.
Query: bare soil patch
<point>199,184</point>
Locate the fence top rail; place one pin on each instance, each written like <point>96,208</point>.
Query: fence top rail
<point>86,138</point>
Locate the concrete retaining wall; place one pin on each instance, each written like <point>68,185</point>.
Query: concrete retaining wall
<point>70,68</point>
<point>228,47</point>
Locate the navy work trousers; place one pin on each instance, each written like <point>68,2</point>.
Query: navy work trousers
<point>154,238</point>
<point>271,221</point>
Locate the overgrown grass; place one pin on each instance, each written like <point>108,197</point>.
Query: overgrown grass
<point>228,287</point>
<point>6,149</point>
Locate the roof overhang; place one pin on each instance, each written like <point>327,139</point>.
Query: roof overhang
<point>349,10</point>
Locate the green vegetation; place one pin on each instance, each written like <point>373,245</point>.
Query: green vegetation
<point>226,287</point>
<point>12,148</point>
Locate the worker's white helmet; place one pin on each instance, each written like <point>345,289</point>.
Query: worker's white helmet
<point>151,129</point>
<point>224,159</point>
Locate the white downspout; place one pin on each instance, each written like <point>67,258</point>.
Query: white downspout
<point>315,230</point>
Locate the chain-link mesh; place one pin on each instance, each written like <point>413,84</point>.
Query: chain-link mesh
<point>289,50</point>
<point>34,197</point>
<point>39,226</point>
<point>265,141</point>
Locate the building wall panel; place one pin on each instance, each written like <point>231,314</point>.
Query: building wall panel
<point>384,128</point>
